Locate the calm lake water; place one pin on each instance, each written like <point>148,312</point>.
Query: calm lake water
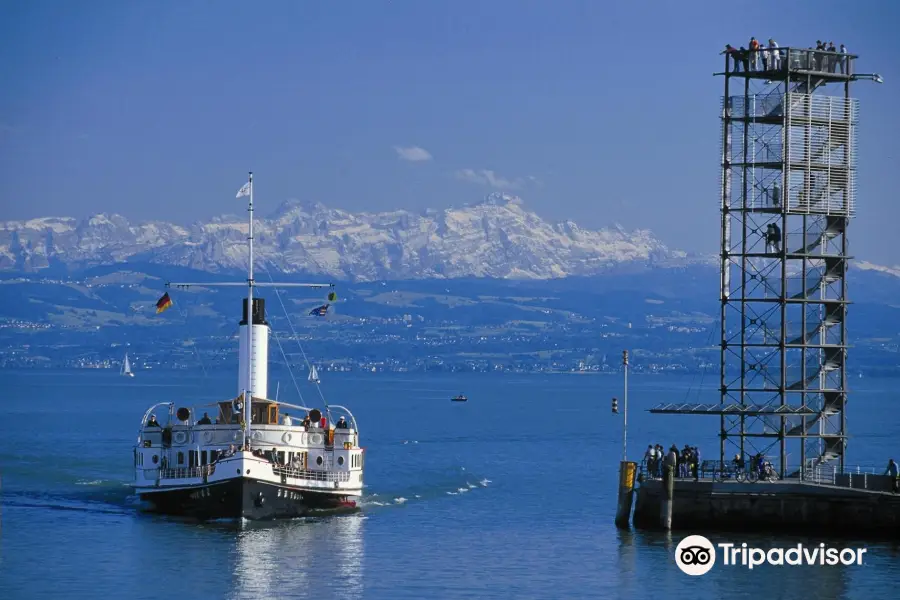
<point>510,495</point>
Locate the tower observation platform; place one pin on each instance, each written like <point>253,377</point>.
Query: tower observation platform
<point>788,193</point>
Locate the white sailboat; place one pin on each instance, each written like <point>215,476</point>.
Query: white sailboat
<point>314,375</point>
<point>126,367</point>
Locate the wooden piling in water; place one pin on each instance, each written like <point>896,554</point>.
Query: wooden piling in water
<point>627,471</point>
<point>665,516</point>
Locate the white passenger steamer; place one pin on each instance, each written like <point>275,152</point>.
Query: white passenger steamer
<point>248,456</point>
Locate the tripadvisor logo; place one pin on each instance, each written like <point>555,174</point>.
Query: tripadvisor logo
<point>696,555</point>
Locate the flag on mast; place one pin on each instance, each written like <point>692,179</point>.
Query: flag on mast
<point>244,191</point>
<point>319,311</point>
<point>163,303</point>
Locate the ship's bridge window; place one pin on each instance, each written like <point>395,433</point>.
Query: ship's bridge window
<point>155,459</point>
<point>181,458</point>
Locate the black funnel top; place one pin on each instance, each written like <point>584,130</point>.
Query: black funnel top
<point>259,312</point>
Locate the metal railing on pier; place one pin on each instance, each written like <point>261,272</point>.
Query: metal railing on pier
<point>859,477</point>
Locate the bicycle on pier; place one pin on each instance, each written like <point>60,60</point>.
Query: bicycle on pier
<point>728,471</point>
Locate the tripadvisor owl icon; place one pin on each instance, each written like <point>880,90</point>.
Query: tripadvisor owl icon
<point>695,555</point>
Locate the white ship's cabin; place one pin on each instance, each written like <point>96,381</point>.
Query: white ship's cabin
<point>302,442</point>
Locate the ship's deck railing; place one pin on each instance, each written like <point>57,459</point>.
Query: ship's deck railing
<point>172,421</point>
<point>186,472</point>
<point>188,436</point>
<point>858,477</point>
<point>330,476</point>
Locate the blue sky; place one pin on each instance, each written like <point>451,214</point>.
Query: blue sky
<point>595,112</point>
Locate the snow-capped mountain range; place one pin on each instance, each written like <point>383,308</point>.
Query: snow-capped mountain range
<point>497,238</point>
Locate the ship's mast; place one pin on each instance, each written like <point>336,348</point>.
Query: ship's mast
<point>248,393</point>
<point>247,190</point>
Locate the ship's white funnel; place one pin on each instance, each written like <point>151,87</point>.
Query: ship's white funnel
<point>259,382</point>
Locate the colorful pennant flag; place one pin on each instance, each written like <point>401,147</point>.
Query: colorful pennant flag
<point>332,296</point>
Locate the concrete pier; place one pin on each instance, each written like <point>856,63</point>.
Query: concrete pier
<point>777,506</point>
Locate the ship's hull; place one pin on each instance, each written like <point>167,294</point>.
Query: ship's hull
<point>243,497</point>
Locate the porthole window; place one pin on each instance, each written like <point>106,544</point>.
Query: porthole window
<point>319,460</point>
<point>340,460</point>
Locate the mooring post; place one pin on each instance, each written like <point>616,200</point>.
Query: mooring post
<point>665,516</point>
<point>627,470</point>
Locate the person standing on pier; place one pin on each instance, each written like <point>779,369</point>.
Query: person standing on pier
<point>650,460</point>
<point>672,459</point>
<point>685,462</point>
<point>660,459</point>
<point>894,474</point>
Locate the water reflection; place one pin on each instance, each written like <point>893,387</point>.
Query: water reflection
<point>300,559</point>
<point>628,562</point>
<point>643,554</point>
<point>788,582</point>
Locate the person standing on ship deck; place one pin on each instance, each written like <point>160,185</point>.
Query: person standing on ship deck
<point>894,474</point>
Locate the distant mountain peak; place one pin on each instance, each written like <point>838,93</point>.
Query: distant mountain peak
<point>501,199</point>
<point>293,206</point>
<point>867,266</point>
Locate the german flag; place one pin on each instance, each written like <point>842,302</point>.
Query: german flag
<point>163,303</point>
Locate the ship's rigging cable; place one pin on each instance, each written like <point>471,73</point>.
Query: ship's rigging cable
<point>299,345</point>
<point>193,345</point>
<point>288,364</point>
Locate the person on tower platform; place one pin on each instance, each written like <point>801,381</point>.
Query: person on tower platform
<point>773,238</point>
<point>754,54</point>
